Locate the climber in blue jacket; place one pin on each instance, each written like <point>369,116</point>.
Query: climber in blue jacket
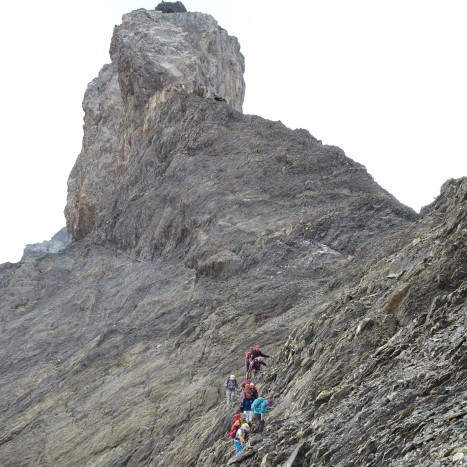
<point>260,407</point>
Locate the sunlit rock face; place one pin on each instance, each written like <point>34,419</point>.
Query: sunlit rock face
<point>199,232</point>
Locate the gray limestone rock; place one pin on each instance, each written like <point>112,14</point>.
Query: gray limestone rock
<point>57,243</point>
<point>154,56</point>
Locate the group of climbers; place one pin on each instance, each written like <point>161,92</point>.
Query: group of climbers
<point>252,408</point>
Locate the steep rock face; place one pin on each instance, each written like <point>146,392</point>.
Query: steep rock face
<point>88,192</point>
<point>378,376</point>
<point>153,55</point>
<point>207,180</point>
<point>207,231</point>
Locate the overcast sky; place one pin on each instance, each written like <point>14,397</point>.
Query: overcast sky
<point>385,81</point>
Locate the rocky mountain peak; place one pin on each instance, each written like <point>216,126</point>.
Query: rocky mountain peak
<point>199,232</point>
<point>154,57</point>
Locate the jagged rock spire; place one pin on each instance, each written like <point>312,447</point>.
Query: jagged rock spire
<point>154,56</point>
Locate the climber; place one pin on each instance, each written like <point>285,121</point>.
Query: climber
<point>253,353</point>
<point>254,391</point>
<point>244,383</point>
<point>260,407</point>
<point>236,417</point>
<point>231,386</point>
<point>248,359</point>
<point>237,420</point>
<point>256,352</point>
<point>255,365</point>
<point>241,437</point>
<point>248,399</point>
<point>250,391</point>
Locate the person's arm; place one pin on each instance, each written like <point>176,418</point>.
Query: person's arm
<point>261,354</point>
<point>241,436</point>
<point>265,407</point>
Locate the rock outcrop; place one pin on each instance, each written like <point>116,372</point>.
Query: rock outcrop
<point>57,243</point>
<point>200,231</point>
<point>171,7</point>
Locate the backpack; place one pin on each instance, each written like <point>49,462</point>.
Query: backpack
<point>235,426</point>
<point>231,384</point>
<point>236,417</point>
<point>248,357</point>
<point>233,431</point>
<point>255,365</point>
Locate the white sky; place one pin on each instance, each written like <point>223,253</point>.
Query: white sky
<point>385,81</point>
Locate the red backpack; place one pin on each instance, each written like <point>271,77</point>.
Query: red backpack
<point>236,417</point>
<point>236,425</point>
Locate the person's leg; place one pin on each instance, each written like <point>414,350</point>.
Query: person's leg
<point>257,420</point>
<point>238,446</point>
<point>261,423</point>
